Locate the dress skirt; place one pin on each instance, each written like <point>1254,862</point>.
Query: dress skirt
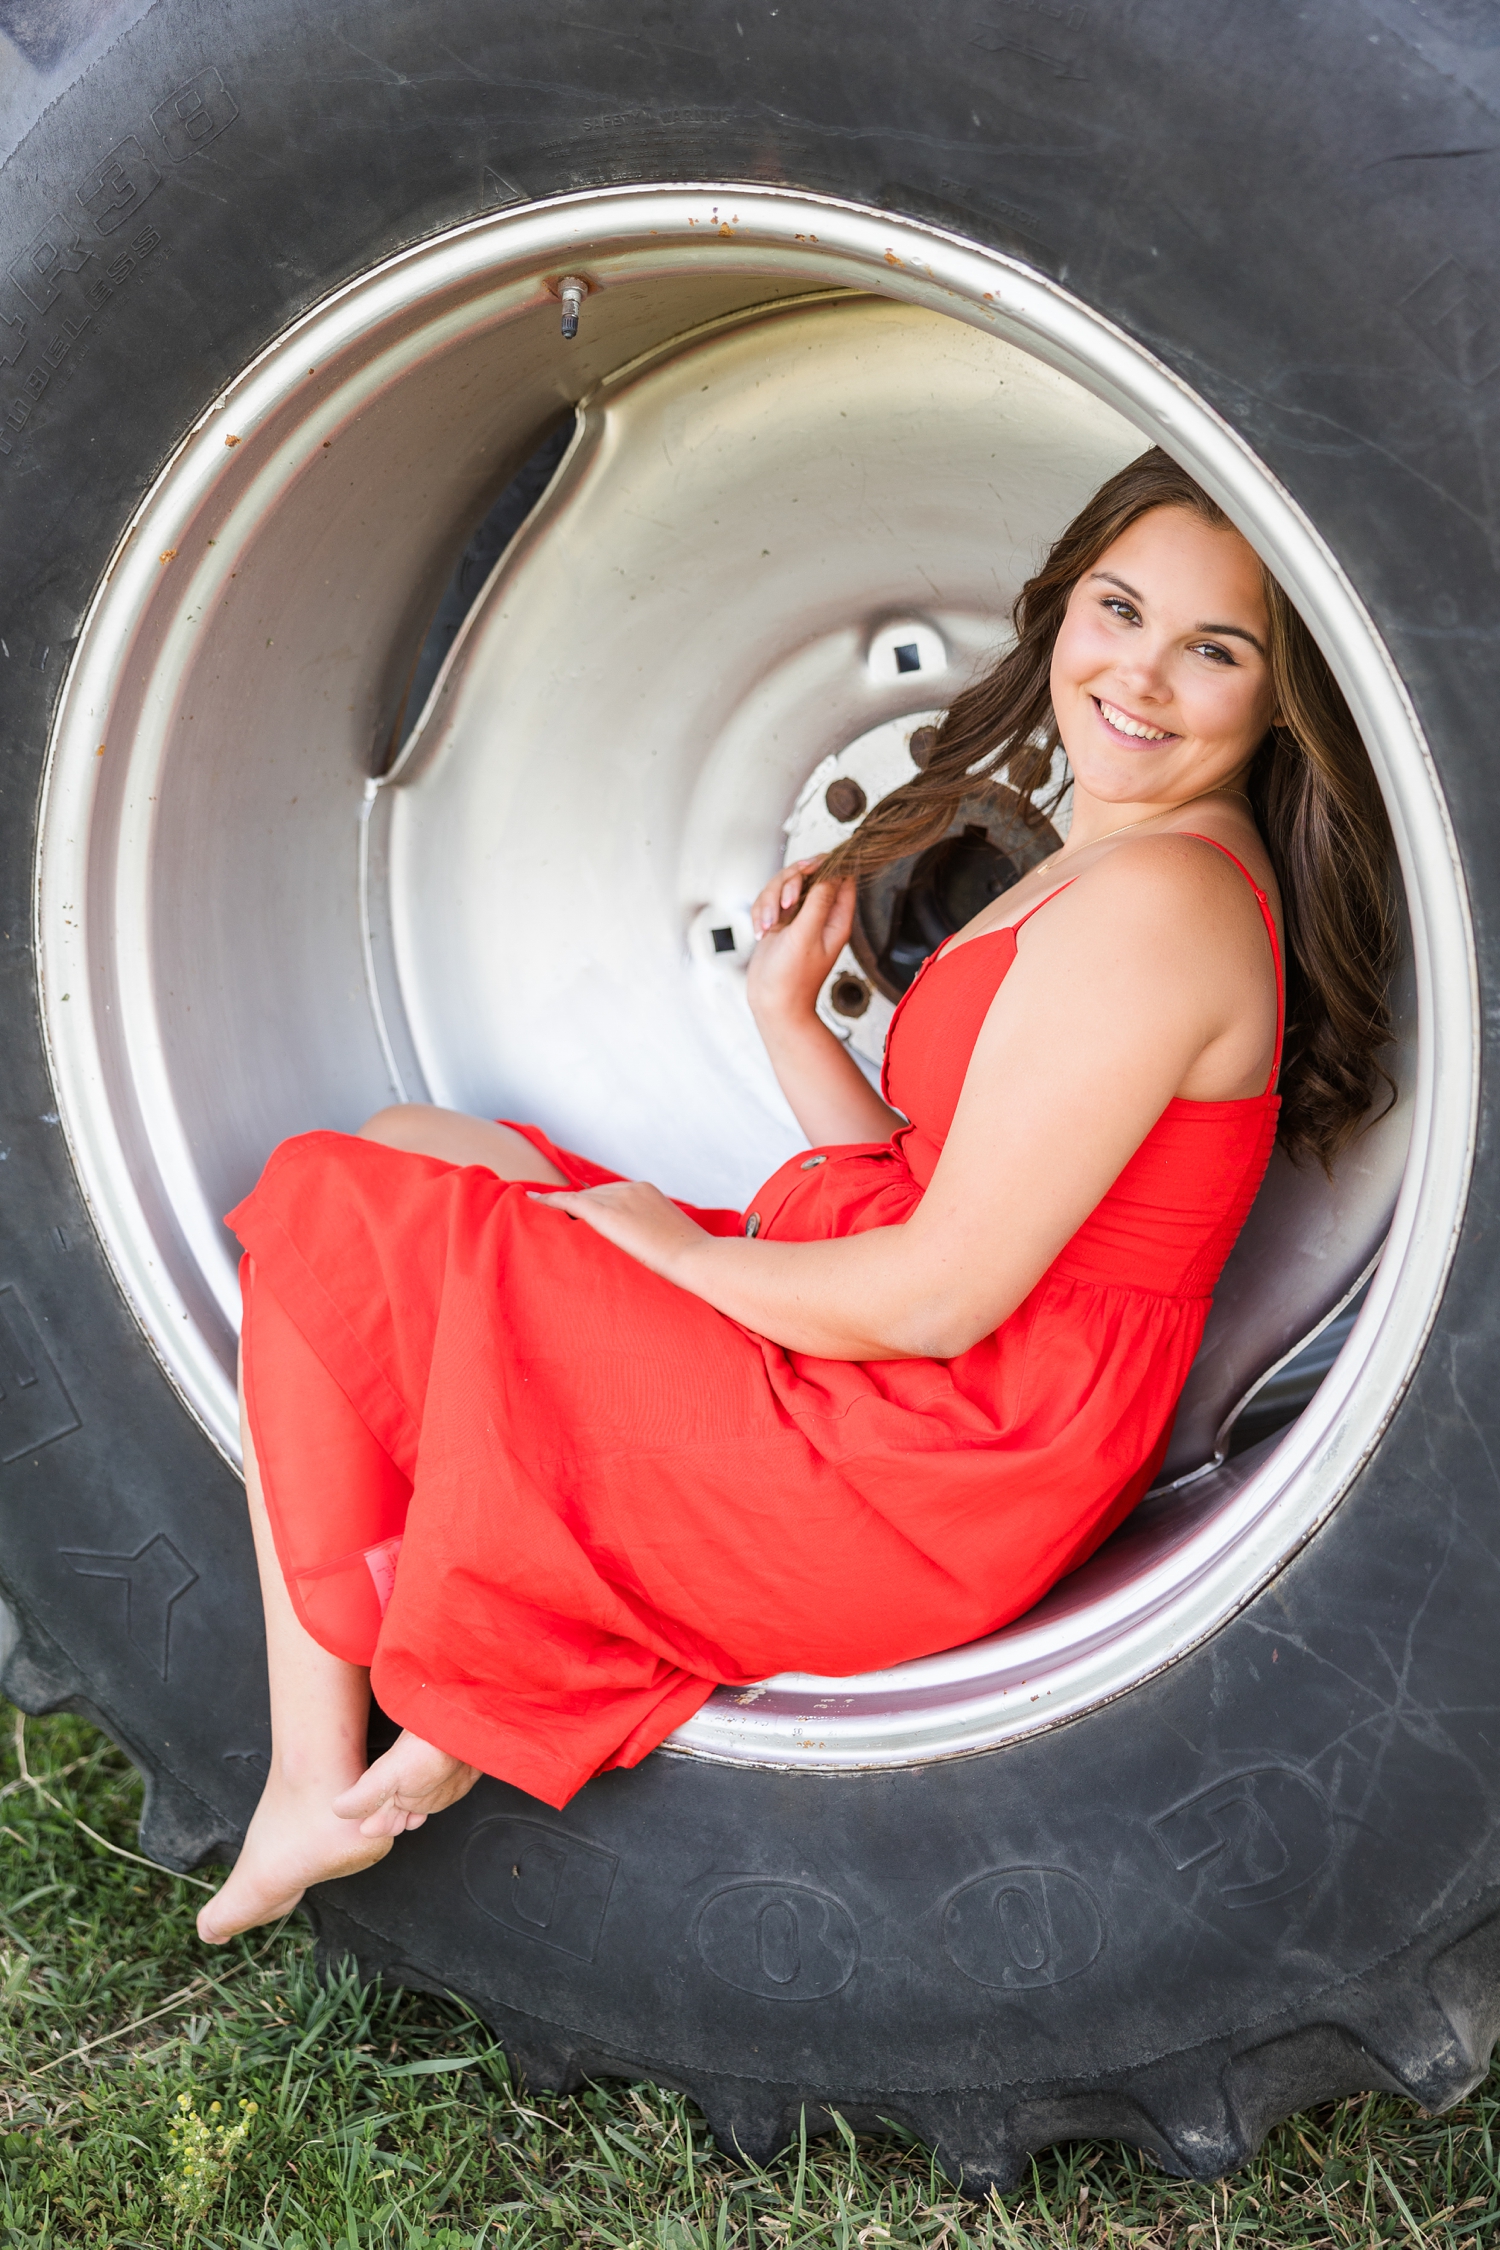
<point>552,1500</point>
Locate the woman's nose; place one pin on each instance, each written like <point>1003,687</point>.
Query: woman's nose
<point>1146,670</point>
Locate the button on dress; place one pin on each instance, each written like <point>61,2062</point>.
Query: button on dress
<point>552,1500</point>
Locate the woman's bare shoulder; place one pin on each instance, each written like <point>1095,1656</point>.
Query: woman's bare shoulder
<point>1146,888</point>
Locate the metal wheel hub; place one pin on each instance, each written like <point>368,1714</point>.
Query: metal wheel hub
<point>815,452</point>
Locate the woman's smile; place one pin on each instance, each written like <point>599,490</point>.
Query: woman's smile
<point>1127,729</point>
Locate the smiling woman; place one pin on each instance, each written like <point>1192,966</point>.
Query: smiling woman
<point>536,1509</point>
<point>1158,651</point>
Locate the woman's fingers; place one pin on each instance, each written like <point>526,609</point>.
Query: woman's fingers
<point>781,895</point>
<point>766,912</point>
<point>765,908</point>
<point>827,917</point>
<point>840,916</point>
<point>637,1218</point>
<point>590,1204</point>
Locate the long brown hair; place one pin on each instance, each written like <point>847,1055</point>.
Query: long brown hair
<point>1311,789</point>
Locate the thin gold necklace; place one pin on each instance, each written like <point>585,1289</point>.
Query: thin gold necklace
<point>1165,814</point>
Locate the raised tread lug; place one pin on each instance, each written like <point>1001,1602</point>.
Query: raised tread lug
<point>1412,2040</point>
<point>1464,1980</point>
<point>179,1828</point>
<point>756,2122</point>
<point>1316,2062</point>
<point>34,1673</point>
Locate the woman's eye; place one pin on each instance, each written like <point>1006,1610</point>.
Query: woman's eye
<point>1121,608</point>
<point>1212,648</point>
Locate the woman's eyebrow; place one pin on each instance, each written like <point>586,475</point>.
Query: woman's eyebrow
<point>1232,633</point>
<point>1228,632</point>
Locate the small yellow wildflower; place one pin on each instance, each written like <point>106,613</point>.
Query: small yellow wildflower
<point>202,2154</point>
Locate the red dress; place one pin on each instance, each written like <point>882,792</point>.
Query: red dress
<point>553,1500</point>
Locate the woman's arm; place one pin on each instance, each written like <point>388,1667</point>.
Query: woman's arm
<point>830,1096</point>
<point>1143,976</point>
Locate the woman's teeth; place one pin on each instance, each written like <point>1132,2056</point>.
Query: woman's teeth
<point>1127,725</point>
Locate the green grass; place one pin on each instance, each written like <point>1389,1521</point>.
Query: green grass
<point>387,2118</point>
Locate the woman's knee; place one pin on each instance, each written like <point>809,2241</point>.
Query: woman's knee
<point>422,1129</point>
<point>402,1125</point>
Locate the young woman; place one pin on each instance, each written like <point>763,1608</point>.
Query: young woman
<point>626,1450</point>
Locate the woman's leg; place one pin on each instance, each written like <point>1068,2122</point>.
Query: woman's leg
<point>320,1708</point>
<point>448,1134</point>
<point>322,1812</point>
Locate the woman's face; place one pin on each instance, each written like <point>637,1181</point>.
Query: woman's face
<point>1159,675</point>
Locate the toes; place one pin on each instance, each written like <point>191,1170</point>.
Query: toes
<point>390,1818</point>
<point>402,1787</point>
<point>362,1799</point>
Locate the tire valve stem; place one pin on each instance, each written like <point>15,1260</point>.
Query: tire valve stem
<point>572,291</point>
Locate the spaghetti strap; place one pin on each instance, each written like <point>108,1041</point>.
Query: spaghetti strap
<point>1013,927</point>
<point>1268,918</point>
<point>955,944</point>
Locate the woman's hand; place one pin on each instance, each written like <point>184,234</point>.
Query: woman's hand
<point>637,1218</point>
<point>798,946</point>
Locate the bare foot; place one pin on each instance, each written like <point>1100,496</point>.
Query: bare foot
<point>303,1834</point>
<point>401,1788</point>
<point>295,1838</point>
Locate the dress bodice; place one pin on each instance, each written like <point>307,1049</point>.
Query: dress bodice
<point>1166,1225</point>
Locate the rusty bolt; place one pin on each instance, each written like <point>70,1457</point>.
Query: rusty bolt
<point>845,799</point>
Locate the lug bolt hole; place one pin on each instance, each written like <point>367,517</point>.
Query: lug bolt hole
<point>848,995</point>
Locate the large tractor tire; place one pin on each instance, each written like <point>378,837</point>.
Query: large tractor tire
<point>873,297</point>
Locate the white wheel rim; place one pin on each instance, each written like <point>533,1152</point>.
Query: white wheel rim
<point>124,1064</point>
